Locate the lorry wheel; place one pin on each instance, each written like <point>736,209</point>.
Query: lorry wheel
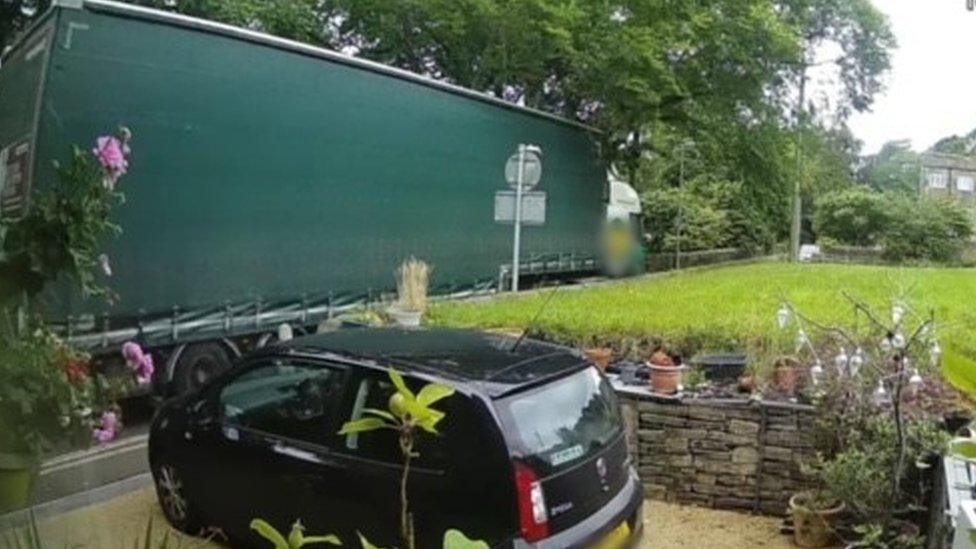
<point>197,365</point>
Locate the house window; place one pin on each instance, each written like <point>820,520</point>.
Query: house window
<point>937,180</point>
<point>965,183</point>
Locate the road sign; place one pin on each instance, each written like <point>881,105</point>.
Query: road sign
<point>531,169</point>
<point>533,207</point>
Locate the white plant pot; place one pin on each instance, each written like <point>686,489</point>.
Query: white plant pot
<point>406,319</point>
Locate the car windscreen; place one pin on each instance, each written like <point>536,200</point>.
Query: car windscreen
<point>562,422</point>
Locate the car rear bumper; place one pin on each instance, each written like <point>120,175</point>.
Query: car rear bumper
<point>627,506</point>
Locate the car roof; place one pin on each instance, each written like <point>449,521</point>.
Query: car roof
<point>484,361</point>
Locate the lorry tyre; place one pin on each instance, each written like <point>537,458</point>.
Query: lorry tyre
<point>199,364</point>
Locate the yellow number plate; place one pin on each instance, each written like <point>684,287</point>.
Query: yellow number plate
<point>616,538</point>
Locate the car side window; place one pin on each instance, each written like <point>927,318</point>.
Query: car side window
<point>285,398</point>
<point>374,391</point>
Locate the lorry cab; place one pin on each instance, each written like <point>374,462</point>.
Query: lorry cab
<point>623,239</point>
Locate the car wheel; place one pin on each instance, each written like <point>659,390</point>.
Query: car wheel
<point>171,492</point>
<point>197,365</point>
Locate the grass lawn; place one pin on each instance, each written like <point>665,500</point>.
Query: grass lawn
<point>731,306</point>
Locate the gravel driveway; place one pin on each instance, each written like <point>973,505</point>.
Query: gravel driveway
<point>115,524</point>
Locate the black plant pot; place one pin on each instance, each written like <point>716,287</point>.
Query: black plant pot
<point>721,368</point>
<point>954,421</point>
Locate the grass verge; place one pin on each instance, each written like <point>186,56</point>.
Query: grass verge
<point>731,307</point>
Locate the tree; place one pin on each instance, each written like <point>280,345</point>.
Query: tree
<point>863,37</point>
<point>955,144</point>
<point>895,168</point>
<point>299,20</point>
<point>856,216</point>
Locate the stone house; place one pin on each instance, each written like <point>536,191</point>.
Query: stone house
<point>952,175</point>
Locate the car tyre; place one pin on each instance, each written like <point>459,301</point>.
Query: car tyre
<point>171,493</point>
<point>197,365</point>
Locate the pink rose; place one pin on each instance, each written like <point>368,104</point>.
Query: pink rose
<point>139,361</point>
<point>110,152</point>
<point>108,428</point>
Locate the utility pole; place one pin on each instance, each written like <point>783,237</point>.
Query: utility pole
<point>796,226</point>
<point>681,211</point>
<point>680,223</point>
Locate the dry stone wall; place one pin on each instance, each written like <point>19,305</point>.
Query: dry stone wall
<point>726,454</point>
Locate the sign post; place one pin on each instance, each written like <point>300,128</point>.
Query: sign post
<point>523,171</point>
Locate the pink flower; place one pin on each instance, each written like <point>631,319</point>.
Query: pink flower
<point>110,152</point>
<point>108,428</point>
<point>139,361</point>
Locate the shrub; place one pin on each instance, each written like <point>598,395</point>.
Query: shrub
<point>696,208</point>
<point>928,229</point>
<point>856,216</point>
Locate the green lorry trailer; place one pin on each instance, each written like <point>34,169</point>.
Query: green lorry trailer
<point>274,182</point>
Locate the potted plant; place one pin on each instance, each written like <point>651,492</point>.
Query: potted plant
<point>815,514</point>
<point>601,356</point>
<point>412,276</point>
<point>786,373</point>
<point>871,425</point>
<point>47,396</point>
<point>665,373</point>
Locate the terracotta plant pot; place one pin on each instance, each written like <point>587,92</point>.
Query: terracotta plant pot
<point>601,356</point>
<point>786,374</point>
<point>813,528</point>
<point>665,380</point>
<point>747,383</point>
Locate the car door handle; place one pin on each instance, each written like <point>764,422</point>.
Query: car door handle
<point>305,455</point>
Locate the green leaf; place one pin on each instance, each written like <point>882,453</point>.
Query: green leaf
<point>432,393</point>
<point>454,539</point>
<point>401,386</point>
<point>269,533</point>
<point>429,420</point>
<point>964,449</point>
<point>330,539</point>
<point>362,425</point>
<point>365,542</point>
<point>381,413</point>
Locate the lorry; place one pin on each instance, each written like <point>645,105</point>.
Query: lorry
<point>274,183</point>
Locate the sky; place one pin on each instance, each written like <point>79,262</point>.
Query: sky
<point>931,89</point>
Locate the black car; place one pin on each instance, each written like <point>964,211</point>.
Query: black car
<point>530,454</point>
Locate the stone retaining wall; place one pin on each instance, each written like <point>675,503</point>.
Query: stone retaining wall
<point>726,454</point>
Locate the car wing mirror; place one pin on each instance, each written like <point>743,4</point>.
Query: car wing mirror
<point>205,414</point>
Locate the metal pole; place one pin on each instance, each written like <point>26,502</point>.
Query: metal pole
<point>681,212</point>
<point>518,219</point>
<point>796,227</point>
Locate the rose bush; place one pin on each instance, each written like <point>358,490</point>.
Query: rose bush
<point>67,223</point>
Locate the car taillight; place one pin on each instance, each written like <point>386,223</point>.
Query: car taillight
<point>533,519</point>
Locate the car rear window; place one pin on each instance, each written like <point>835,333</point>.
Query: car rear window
<point>561,422</point>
